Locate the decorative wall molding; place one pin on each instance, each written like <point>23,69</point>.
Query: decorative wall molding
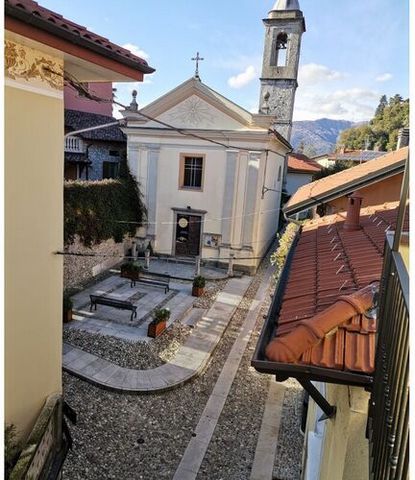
<point>29,66</point>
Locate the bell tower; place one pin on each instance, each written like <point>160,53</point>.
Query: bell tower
<point>284,27</point>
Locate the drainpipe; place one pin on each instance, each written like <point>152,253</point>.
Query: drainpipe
<point>292,220</point>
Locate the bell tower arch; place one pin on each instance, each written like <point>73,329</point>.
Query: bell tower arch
<point>284,28</point>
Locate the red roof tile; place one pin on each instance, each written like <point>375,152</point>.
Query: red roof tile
<point>340,183</point>
<point>31,12</point>
<point>328,263</point>
<point>301,163</point>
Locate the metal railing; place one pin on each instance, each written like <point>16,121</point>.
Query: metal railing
<point>389,402</point>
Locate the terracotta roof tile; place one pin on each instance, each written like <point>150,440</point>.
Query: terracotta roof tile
<point>301,163</point>
<point>336,185</point>
<point>320,274</point>
<point>30,8</point>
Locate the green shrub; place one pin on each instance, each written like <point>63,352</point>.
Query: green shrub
<point>199,282</point>
<point>12,449</point>
<point>286,240</point>
<point>67,302</point>
<point>160,315</point>
<point>131,267</point>
<point>100,210</point>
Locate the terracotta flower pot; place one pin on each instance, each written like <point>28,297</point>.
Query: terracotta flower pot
<point>130,275</point>
<point>67,316</point>
<point>155,329</point>
<point>197,291</point>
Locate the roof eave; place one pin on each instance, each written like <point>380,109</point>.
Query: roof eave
<point>282,371</point>
<point>344,190</point>
<point>32,23</point>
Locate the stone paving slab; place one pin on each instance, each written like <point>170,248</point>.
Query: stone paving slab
<point>198,445</point>
<point>183,270</point>
<point>190,360</point>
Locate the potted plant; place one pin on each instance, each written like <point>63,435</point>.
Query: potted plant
<point>131,270</point>
<point>67,306</point>
<point>198,286</point>
<point>158,324</point>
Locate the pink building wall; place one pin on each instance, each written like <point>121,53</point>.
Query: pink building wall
<point>72,100</point>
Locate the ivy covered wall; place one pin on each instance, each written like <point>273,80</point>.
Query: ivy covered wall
<point>101,210</point>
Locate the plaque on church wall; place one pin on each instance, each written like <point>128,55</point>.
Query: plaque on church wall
<point>212,240</point>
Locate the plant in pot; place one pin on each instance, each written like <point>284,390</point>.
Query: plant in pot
<point>131,270</point>
<point>158,324</point>
<point>67,306</point>
<point>199,283</point>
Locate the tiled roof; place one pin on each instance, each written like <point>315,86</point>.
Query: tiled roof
<point>330,262</point>
<point>33,13</point>
<point>356,156</point>
<point>76,120</point>
<point>301,163</point>
<point>346,181</point>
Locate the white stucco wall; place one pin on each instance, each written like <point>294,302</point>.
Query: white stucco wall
<point>297,180</point>
<point>232,180</point>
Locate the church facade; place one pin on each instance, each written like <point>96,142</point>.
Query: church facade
<point>212,173</point>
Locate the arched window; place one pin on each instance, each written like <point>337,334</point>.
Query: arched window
<point>281,50</point>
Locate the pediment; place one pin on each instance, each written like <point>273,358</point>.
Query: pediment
<point>193,105</point>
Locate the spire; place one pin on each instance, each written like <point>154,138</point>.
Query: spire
<point>286,5</point>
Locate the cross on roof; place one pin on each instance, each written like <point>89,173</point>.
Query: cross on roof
<point>197,59</point>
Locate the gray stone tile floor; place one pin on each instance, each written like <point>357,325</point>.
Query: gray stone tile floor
<point>181,270</point>
<point>114,322</point>
<point>190,360</point>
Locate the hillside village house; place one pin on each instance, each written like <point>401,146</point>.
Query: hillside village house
<point>300,171</point>
<point>41,47</point>
<point>94,154</point>
<point>337,331</point>
<point>378,181</point>
<point>211,172</point>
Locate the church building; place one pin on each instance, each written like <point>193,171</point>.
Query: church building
<point>212,173</point>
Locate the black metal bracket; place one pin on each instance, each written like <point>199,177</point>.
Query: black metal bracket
<point>329,410</point>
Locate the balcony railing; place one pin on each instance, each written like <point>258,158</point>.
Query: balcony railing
<point>74,145</point>
<point>389,402</point>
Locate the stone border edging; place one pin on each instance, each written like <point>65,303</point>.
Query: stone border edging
<point>190,360</point>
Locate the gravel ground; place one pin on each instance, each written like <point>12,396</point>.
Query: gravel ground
<point>140,355</point>
<point>290,439</point>
<point>211,292</point>
<point>131,437</point>
<point>144,436</point>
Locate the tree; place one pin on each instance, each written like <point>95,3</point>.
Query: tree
<point>382,131</point>
<point>381,107</point>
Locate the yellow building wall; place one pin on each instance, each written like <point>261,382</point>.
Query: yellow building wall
<point>344,450</point>
<point>34,127</point>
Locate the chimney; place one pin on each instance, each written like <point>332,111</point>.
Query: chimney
<point>352,222</point>
<point>403,138</point>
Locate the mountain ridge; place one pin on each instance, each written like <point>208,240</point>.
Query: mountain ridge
<point>318,136</point>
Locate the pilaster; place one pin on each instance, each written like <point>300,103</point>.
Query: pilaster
<point>229,196</point>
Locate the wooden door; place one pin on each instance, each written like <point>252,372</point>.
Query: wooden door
<point>188,229</point>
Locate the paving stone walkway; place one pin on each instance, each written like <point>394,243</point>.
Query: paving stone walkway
<point>183,270</point>
<point>189,361</point>
<point>196,450</point>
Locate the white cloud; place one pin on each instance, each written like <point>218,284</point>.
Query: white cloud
<point>312,73</point>
<point>239,81</point>
<point>356,104</point>
<point>384,77</point>
<point>134,49</point>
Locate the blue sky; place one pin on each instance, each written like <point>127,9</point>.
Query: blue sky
<point>353,51</point>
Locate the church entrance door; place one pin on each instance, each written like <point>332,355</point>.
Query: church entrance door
<point>188,229</point>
